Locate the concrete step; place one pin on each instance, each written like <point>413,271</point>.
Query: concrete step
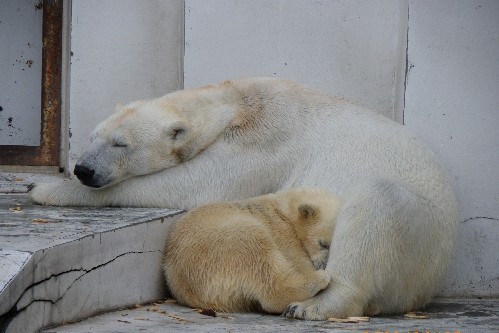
<point>64,264</point>
<point>443,315</point>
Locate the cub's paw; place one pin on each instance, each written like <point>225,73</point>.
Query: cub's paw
<point>320,254</point>
<point>320,259</point>
<point>322,279</point>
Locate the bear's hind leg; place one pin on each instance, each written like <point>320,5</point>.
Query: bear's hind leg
<point>388,251</point>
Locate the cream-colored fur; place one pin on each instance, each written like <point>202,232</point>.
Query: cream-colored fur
<point>259,253</point>
<point>244,138</point>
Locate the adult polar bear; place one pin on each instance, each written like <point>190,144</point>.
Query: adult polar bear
<point>244,138</point>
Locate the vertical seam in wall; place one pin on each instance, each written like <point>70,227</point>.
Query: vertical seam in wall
<point>406,63</point>
<point>181,75</point>
<point>65,85</point>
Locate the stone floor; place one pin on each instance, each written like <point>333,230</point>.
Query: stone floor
<point>443,315</point>
<point>58,264</point>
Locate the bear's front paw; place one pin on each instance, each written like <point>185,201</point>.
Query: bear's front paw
<point>309,310</point>
<point>320,259</point>
<point>333,302</point>
<point>38,193</point>
<point>45,193</point>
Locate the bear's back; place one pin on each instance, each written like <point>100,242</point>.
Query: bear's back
<point>334,143</point>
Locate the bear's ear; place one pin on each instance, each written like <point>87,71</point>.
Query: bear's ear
<point>306,211</point>
<point>176,131</point>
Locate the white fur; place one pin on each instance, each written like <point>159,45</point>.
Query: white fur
<point>250,137</point>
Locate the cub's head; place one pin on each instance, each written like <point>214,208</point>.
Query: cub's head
<point>313,213</point>
<point>138,139</point>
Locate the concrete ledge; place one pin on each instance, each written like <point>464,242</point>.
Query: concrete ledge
<point>65,264</point>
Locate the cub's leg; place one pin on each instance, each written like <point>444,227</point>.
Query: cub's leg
<point>389,249</point>
<point>290,285</point>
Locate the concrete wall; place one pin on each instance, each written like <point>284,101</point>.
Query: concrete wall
<point>351,48</point>
<point>122,50</point>
<point>452,104</point>
<point>358,49</point>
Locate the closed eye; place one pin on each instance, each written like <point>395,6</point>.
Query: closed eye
<point>118,142</point>
<point>324,244</point>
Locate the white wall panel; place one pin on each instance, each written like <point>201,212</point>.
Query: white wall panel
<point>355,49</point>
<point>122,50</point>
<point>452,103</point>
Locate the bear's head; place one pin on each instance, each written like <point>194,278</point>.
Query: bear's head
<point>141,138</point>
<point>313,213</point>
<point>148,136</point>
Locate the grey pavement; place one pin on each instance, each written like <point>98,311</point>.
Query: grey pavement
<point>443,315</point>
<point>59,264</point>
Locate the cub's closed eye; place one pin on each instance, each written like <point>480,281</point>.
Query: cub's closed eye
<point>120,145</point>
<point>324,244</point>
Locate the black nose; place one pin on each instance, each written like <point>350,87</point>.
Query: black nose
<point>83,173</point>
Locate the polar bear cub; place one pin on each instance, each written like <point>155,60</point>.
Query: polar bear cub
<point>260,253</point>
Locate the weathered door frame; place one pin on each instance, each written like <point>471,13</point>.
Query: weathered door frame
<point>48,152</point>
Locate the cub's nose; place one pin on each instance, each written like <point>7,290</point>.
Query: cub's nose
<point>83,173</point>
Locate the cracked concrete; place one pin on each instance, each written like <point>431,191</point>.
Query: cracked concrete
<point>479,217</point>
<point>61,264</point>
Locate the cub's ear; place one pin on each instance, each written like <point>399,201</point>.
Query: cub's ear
<point>306,211</point>
<point>176,131</point>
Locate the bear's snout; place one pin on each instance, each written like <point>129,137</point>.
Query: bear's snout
<point>84,174</point>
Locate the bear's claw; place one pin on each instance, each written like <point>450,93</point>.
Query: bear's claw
<point>290,311</point>
<point>31,187</point>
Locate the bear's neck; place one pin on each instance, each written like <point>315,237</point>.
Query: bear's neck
<point>207,112</point>
<point>225,109</point>
<point>212,113</point>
